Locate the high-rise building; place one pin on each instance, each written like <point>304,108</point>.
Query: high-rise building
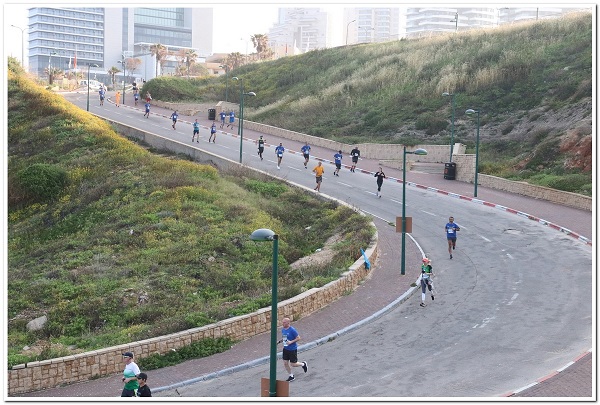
<point>70,38</point>
<point>371,24</point>
<point>300,30</point>
<point>434,20</point>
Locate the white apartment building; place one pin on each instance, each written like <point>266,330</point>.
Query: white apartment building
<point>300,30</point>
<point>369,24</point>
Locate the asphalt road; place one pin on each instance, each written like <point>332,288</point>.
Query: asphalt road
<point>512,304</point>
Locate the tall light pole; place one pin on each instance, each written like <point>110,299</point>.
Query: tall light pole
<point>22,44</point>
<point>122,62</point>
<point>469,112</point>
<point>226,80</point>
<point>451,95</point>
<point>415,152</point>
<point>348,26</point>
<point>241,119</point>
<point>263,235</point>
<point>88,85</point>
<point>455,21</point>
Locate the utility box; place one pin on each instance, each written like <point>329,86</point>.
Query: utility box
<point>450,171</point>
<point>212,114</point>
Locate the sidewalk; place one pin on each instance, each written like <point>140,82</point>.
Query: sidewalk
<point>383,287</point>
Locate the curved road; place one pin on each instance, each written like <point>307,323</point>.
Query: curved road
<point>514,303</point>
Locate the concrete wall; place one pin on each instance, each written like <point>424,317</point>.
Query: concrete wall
<point>84,366</point>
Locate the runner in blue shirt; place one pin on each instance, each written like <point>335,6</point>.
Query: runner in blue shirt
<point>290,349</point>
<point>147,113</point>
<point>222,115</point>
<point>174,118</point>
<point>101,93</point>
<point>306,153</point>
<point>451,229</point>
<point>196,131</point>
<point>213,132</point>
<point>231,119</point>
<point>279,152</point>
<point>338,163</point>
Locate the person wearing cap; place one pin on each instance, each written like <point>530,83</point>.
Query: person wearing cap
<point>144,390</point>
<point>426,274</point>
<point>261,146</point>
<point>130,376</point>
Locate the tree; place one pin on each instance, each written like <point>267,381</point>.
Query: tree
<point>131,64</point>
<point>112,72</point>
<point>234,60</point>
<point>190,59</point>
<point>53,73</point>
<point>261,44</point>
<point>159,51</point>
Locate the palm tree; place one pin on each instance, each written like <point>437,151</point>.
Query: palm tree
<point>159,51</point>
<point>112,72</point>
<point>234,60</point>
<point>53,73</point>
<point>261,43</point>
<point>190,59</point>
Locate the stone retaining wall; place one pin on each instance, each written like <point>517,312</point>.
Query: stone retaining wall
<point>84,366</point>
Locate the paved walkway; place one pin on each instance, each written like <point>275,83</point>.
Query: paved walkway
<point>382,289</point>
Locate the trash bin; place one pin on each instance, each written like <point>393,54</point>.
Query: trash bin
<point>212,114</point>
<point>450,171</point>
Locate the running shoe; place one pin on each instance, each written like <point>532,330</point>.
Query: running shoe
<point>304,366</point>
<point>291,378</point>
<point>422,304</point>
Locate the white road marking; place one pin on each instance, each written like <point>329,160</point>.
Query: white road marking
<point>344,184</point>
<point>514,297</point>
<point>294,168</point>
<point>484,238</point>
<point>376,216</point>
<point>509,256</point>
<point>430,213</point>
<point>396,201</point>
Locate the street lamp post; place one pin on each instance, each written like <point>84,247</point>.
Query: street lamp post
<point>262,235</point>
<point>241,119</point>
<point>122,62</point>
<point>22,45</point>
<point>469,112</point>
<point>415,152</point>
<point>451,95</point>
<point>348,26</point>
<point>455,21</point>
<point>88,85</point>
<point>226,80</point>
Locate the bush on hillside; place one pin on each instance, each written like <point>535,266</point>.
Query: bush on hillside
<point>42,182</point>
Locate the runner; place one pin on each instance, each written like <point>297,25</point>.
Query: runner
<point>136,97</point>
<point>426,275</point>
<point>196,131</point>
<point>279,152</point>
<point>290,349</point>
<point>147,106</point>
<point>231,119</point>
<point>306,153</point>
<point>222,116</point>
<point>380,176</point>
<point>213,132</point>
<point>261,146</point>
<point>101,93</point>
<point>338,163</point>
<point>355,153</point>
<point>174,118</point>
<point>451,229</point>
<point>319,170</point>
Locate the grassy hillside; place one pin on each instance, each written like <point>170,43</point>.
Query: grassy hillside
<point>115,244</point>
<point>531,81</point>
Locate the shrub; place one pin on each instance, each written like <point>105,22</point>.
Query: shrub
<point>201,348</point>
<point>42,182</point>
